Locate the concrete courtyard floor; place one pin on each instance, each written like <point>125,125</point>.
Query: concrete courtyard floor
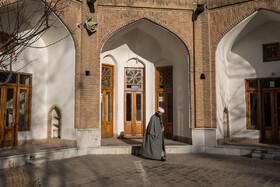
<point>178,170</point>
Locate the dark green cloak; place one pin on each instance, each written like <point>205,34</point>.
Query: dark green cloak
<point>153,141</point>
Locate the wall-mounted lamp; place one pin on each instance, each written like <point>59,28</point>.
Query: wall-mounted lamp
<point>199,8</point>
<point>202,76</point>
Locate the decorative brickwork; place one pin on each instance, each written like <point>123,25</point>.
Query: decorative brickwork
<point>177,22</point>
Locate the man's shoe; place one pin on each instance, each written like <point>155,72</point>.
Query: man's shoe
<point>163,159</point>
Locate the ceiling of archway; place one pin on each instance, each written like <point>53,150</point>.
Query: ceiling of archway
<point>146,39</point>
<point>260,19</point>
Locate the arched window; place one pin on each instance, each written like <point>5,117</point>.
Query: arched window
<point>55,119</point>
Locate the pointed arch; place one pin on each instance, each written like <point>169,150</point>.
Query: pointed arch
<point>54,119</point>
<point>164,26</point>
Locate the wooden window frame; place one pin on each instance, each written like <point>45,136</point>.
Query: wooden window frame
<point>142,78</point>
<point>111,81</point>
<point>271,45</point>
<point>157,80</point>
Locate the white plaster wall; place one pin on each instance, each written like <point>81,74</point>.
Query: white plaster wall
<point>35,63</point>
<point>61,76</point>
<point>238,57</point>
<point>152,46</point>
<point>52,70</point>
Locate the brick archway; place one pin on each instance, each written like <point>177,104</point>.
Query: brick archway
<point>231,26</point>
<point>134,20</point>
<point>160,47</point>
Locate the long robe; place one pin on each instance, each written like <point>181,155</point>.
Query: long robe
<point>153,141</point>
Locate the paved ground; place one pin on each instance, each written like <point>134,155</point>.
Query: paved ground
<point>178,170</point>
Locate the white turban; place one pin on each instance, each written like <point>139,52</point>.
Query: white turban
<point>160,110</point>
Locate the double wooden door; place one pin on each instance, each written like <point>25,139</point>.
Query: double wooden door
<point>271,116</point>
<point>8,128</point>
<point>134,103</point>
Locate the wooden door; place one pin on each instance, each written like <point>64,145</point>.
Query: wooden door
<point>134,114</point>
<point>107,101</point>
<point>164,97</point>
<point>277,116</point>
<point>165,101</point>
<point>134,103</point>
<point>8,117</point>
<point>271,116</point>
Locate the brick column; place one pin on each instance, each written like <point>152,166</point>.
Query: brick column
<point>204,83</point>
<point>203,132</point>
<point>88,85</point>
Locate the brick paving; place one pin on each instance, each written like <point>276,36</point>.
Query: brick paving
<point>178,170</point>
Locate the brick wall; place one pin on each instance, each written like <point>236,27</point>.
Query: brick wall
<point>175,16</point>
<point>166,4</point>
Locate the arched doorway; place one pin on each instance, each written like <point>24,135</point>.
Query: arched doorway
<point>247,83</point>
<point>44,77</point>
<point>139,51</point>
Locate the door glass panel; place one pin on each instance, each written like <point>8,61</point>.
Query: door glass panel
<point>138,107</point>
<point>161,103</point>
<point>4,76</point>
<point>254,109</point>
<point>101,106</point>
<point>170,107</point>
<point>161,100</point>
<point>106,77</point>
<point>134,77</point>
<point>128,107</point>
<point>267,110</point>
<point>253,84</point>
<point>24,79</point>
<point>278,109</point>
<point>108,94</point>
<point>10,107</point>
<point>165,78</point>
<point>22,108</point>
<point>270,83</point>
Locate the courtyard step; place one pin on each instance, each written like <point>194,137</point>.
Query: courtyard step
<point>37,158</point>
<point>37,161</point>
<point>263,154</point>
<point>170,149</point>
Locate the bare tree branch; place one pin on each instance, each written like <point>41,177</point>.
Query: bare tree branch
<point>22,24</point>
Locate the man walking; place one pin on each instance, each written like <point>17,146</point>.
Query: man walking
<point>153,146</point>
